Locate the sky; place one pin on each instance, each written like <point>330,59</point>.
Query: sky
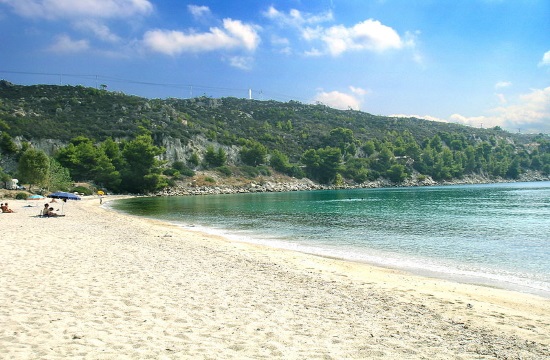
<point>482,63</point>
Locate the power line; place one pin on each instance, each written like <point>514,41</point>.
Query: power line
<point>192,88</point>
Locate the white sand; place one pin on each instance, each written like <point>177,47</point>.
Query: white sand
<point>101,285</point>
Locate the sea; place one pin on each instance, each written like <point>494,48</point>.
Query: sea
<point>492,234</point>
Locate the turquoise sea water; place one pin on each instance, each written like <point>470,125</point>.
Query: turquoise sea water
<point>496,234</point>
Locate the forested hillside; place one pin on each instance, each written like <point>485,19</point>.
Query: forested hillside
<point>115,140</point>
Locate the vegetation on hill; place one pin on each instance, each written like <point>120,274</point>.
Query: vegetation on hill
<point>115,140</point>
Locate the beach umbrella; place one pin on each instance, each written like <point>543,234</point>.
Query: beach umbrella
<point>64,196</point>
<point>35,197</point>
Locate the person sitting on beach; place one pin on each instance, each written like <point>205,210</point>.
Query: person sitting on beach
<point>45,210</point>
<point>51,213</point>
<point>5,208</point>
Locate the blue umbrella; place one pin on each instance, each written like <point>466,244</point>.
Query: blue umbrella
<point>64,196</point>
<point>35,197</point>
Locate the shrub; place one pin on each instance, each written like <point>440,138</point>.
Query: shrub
<point>264,170</point>
<point>249,171</point>
<point>224,170</point>
<point>21,196</point>
<point>82,190</point>
<point>187,172</point>
<point>170,172</point>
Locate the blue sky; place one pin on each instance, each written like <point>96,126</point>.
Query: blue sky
<point>476,62</point>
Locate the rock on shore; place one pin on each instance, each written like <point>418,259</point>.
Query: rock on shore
<point>285,184</point>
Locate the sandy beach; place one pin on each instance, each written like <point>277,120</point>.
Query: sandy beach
<point>97,284</point>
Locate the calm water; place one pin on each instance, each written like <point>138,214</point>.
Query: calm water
<point>489,234</point>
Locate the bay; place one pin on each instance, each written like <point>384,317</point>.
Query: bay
<point>491,234</point>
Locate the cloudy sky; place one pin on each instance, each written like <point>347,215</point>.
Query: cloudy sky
<point>477,62</point>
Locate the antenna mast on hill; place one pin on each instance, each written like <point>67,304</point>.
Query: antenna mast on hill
<point>249,94</point>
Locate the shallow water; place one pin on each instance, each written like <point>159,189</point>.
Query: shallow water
<point>497,234</point>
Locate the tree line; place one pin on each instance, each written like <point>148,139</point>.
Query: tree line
<point>132,166</point>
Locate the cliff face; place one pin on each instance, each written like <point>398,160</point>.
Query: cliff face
<point>176,150</point>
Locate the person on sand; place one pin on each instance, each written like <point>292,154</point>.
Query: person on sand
<point>53,200</point>
<point>51,213</point>
<point>5,208</point>
<point>45,210</point>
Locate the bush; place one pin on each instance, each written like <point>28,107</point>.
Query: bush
<point>171,172</point>
<point>264,170</point>
<point>249,171</point>
<point>21,196</point>
<point>187,172</point>
<point>82,190</point>
<point>183,170</point>
<point>224,170</point>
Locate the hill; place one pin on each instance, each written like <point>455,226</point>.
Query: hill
<point>328,145</point>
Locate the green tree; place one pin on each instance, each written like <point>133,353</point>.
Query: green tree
<point>112,150</point>
<point>215,158</point>
<point>253,154</point>
<point>356,169</point>
<point>384,159</point>
<point>322,164</point>
<point>105,173</point>
<point>34,167</point>
<point>397,173</point>
<point>59,177</point>
<point>331,159</point>
<point>7,144</point>
<point>369,148</point>
<point>279,161</point>
<point>312,162</point>
<point>80,157</point>
<point>340,138</point>
<point>141,172</point>
<point>194,160</point>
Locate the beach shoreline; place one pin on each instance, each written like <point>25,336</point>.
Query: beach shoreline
<point>99,284</point>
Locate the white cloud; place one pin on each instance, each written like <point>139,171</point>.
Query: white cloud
<point>100,30</point>
<point>313,52</point>
<point>199,12</point>
<point>297,18</point>
<point>475,121</point>
<point>545,59</point>
<point>502,98</point>
<point>503,84</point>
<point>241,62</point>
<point>64,44</point>
<point>59,9</point>
<point>358,91</point>
<point>282,44</point>
<point>529,112</point>
<point>341,100</point>
<point>425,117</point>
<point>234,34</point>
<point>369,35</point>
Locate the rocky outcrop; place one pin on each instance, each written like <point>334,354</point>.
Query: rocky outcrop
<point>178,151</point>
